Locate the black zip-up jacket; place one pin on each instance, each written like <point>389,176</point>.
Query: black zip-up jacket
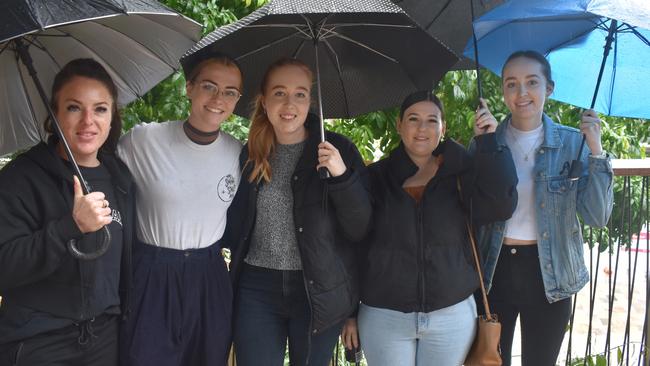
<point>326,227</point>
<point>417,257</point>
<point>36,269</point>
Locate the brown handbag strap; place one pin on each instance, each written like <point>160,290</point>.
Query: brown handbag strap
<point>477,262</point>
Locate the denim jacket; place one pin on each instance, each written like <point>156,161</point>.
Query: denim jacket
<point>557,199</point>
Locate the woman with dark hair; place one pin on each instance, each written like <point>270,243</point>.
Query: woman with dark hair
<point>534,261</point>
<point>57,309</point>
<point>417,270</point>
<point>186,175</point>
<point>293,232</point>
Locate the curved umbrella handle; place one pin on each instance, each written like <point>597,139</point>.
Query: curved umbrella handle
<point>106,242</point>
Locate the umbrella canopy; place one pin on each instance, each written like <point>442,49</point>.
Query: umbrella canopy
<point>139,42</point>
<point>450,21</point>
<point>369,54</point>
<point>572,35</point>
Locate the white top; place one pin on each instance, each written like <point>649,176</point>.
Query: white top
<point>183,189</point>
<point>523,145</point>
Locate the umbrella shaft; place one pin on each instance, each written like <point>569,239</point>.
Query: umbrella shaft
<point>608,46</point>
<point>27,61</point>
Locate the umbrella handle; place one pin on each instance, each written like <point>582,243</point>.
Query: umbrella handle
<point>77,253</point>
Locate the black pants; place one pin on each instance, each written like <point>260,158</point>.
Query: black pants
<point>90,343</point>
<point>518,290</point>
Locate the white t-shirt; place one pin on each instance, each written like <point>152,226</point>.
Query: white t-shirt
<point>183,189</point>
<point>523,146</point>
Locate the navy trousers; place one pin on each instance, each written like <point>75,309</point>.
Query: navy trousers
<point>181,308</point>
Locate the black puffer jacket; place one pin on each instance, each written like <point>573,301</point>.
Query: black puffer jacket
<point>417,257</point>
<point>326,231</point>
<point>36,270</point>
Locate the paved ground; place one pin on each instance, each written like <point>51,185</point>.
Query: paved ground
<point>601,308</point>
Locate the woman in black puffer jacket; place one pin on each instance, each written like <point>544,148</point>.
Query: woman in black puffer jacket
<point>418,275</point>
<point>292,233</point>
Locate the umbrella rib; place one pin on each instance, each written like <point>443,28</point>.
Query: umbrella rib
<point>268,45</point>
<point>105,64</point>
<point>363,45</point>
<point>641,36</point>
<point>338,68</point>
<point>298,49</point>
<point>30,106</point>
<point>442,10</point>
<point>141,44</point>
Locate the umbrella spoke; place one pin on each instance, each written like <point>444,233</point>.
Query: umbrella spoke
<point>363,45</point>
<point>268,45</point>
<point>298,49</point>
<point>30,106</point>
<point>336,60</point>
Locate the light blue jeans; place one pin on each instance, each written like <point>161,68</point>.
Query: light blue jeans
<point>393,338</point>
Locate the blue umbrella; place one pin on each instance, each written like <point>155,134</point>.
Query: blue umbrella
<point>598,50</point>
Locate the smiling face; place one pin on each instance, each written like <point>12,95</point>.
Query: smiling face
<point>209,91</point>
<point>525,89</point>
<point>286,100</point>
<point>421,128</point>
<point>84,110</point>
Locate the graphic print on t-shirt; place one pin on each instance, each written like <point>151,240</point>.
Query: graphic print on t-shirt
<point>227,188</point>
<point>117,217</point>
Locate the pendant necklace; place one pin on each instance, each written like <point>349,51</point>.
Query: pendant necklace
<point>519,147</point>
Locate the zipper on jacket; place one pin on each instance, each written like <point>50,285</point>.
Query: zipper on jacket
<point>421,260</point>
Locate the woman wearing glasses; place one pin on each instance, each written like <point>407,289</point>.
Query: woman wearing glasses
<point>293,232</point>
<point>186,173</point>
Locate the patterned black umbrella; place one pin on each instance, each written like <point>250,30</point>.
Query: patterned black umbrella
<point>368,55</point>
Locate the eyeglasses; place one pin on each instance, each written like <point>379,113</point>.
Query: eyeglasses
<point>229,95</point>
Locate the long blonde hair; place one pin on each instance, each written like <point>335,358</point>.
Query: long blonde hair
<point>261,137</point>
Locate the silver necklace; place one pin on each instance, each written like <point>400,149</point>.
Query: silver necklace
<point>519,147</point>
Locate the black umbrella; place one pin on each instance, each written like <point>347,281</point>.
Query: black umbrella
<point>137,41</point>
<point>368,55</point>
<point>450,21</point>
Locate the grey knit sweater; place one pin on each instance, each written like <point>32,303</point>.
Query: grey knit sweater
<point>274,244</point>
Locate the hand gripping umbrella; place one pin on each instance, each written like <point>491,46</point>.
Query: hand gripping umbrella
<point>367,55</point>
<point>137,41</point>
<point>598,50</point>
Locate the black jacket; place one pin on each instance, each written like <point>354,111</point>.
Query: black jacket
<point>36,269</point>
<point>417,257</point>
<point>326,227</point>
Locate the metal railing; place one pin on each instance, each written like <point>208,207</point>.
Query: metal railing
<point>609,324</point>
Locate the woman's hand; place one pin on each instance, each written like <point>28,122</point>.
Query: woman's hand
<point>484,121</point>
<point>329,157</point>
<point>590,127</point>
<point>350,334</point>
<point>90,212</point>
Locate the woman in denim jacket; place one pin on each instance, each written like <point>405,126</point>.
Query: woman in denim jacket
<point>534,261</point>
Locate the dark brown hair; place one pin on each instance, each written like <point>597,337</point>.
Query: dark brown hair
<point>421,96</point>
<point>535,56</point>
<point>91,69</point>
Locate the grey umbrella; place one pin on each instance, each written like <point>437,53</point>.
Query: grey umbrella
<point>139,42</point>
<point>367,55</point>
